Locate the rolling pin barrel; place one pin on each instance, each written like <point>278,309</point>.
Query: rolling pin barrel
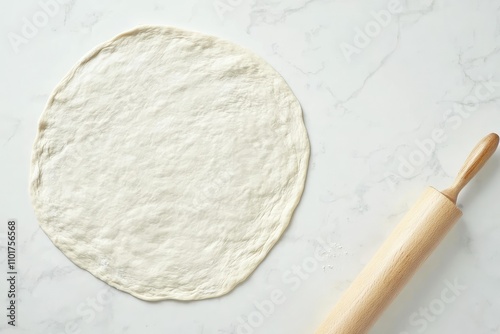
<point>393,265</point>
<point>412,241</point>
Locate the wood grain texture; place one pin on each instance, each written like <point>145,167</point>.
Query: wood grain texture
<point>412,241</point>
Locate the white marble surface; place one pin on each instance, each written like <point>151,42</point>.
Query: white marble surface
<point>435,65</point>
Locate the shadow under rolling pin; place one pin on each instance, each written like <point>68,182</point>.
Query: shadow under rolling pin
<point>411,242</point>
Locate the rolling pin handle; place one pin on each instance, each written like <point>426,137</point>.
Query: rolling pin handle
<point>476,160</point>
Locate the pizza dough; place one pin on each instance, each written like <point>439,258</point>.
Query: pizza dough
<point>168,163</point>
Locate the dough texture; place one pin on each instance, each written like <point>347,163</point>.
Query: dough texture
<point>168,163</point>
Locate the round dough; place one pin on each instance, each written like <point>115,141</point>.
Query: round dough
<point>168,163</point>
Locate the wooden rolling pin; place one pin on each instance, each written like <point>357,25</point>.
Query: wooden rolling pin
<point>412,241</point>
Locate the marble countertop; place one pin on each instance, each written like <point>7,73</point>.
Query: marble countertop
<point>395,93</point>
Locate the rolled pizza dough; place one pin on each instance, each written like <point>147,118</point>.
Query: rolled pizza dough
<point>168,163</point>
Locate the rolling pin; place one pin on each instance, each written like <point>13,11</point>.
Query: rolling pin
<point>409,245</point>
